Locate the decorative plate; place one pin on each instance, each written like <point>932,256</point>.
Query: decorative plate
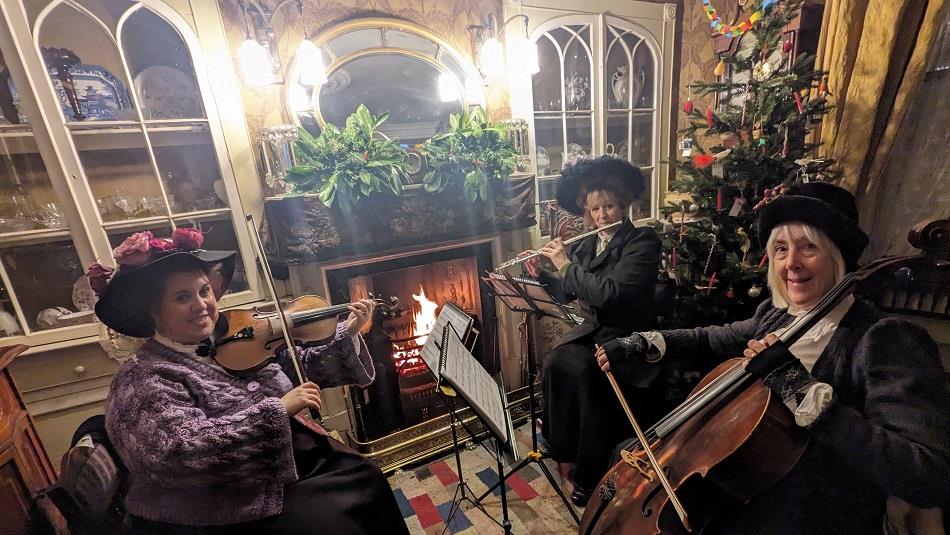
<point>167,93</point>
<point>99,95</point>
<point>544,161</point>
<point>575,151</point>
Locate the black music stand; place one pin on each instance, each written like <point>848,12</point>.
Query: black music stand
<point>533,301</point>
<point>468,389</point>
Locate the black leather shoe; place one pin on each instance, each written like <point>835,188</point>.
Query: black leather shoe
<point>580,496</point>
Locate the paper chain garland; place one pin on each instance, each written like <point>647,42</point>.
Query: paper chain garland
<point>721,28</point>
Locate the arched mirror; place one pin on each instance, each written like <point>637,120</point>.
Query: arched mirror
<point>390,66</point>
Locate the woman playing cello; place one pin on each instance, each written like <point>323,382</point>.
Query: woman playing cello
<point>211,452</point>
<point>612,275</point>
<point>869,389</point>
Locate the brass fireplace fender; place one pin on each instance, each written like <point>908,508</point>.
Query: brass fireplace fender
<point>428,439</point>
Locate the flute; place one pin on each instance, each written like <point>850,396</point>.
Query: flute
<point>518,260</point>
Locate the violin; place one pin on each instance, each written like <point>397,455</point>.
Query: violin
<point>246,340</point>
<point>730,440</point>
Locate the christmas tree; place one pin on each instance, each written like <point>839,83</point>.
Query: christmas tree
<point>752,143</point>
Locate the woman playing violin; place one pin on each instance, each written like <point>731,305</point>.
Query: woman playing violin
<point>612,275</point>
<point>207,451</point>
<point>870,389</point>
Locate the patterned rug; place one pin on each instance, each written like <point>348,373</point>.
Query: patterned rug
<point>425,496</point>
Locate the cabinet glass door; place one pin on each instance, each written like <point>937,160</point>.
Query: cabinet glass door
<point>571,103</point>
<point>41,283</point>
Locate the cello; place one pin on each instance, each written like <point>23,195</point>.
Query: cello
<point>731,439</point>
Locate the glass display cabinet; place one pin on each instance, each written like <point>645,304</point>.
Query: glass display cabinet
<point>106,128</point>
<point>604,87</point>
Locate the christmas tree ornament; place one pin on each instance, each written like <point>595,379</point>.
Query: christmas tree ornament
<point>733,30</point>
<point>787,46</point>
<point>765,260</point>
<point>674,258</point>
<point>719,194</point>
<point>755,290</point>
<point>720,68</point>
<point>785,144</point>
<point>798,101</point>
<point>701,161</point>
<point>693,208</point>
<point>737,207</point>
<point>823,87</point>
<point>709,116</point>
<point>718,171</point>
<point>762,71</point>
<point>687,146</point>
<point>721,155</point>
<point>688,105</point>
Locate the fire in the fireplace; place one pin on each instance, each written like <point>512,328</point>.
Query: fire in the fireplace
<point>406,353</point>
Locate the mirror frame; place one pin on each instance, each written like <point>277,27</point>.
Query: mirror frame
<point>382,24</point>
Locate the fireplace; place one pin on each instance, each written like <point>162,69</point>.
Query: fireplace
<point>404,393</point>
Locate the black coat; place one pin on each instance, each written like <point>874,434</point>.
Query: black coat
<point>886,432</point>
<point>614,290</point>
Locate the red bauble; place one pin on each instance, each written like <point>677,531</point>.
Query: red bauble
<point>688,106</point>
<point>787,47</point>
<point>703,160</point>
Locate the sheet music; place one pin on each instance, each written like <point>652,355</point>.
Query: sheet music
<point>467,376</point>
<point>536,291</point>
<point>452,315</point>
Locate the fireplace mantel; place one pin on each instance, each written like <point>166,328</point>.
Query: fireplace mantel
<point>300,229</point>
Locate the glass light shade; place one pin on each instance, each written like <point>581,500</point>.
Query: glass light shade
<point>449,88</point>
<point>310,64</point>
<point>491,57</point>
<point>256,64</point>
<point>523,54</point>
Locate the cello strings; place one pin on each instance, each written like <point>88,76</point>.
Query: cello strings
<point>730,379</point>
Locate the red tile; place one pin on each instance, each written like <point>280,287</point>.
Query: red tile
<point>521,487</point>
<point>425,510</point>
<point>442,471</point>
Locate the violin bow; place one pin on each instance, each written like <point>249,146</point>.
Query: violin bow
<point>677,505</point>
<point>269,279</point>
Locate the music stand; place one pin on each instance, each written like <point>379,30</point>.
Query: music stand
<point>464,377</point>
<point>532,300</point>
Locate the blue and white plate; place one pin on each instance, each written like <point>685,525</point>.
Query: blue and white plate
<point>101,96</point>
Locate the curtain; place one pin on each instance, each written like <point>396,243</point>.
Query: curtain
<point>875,53</point>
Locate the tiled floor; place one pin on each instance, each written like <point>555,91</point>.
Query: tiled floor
<point>425,496</point>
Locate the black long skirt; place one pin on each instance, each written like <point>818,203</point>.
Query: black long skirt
<point>583,420</point>
<point>339,492</point>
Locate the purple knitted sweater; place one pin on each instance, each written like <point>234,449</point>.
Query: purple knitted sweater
<point>206,448</point>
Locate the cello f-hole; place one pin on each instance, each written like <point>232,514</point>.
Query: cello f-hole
<point>645,509</point>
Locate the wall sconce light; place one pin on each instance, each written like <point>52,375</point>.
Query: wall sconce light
<point>490,54</point>
<point>258,55</point>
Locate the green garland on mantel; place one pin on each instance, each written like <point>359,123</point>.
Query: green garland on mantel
<point>346,166</point>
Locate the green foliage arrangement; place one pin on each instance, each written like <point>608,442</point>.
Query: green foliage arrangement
<point>345,166</point>
<point>471,152</point>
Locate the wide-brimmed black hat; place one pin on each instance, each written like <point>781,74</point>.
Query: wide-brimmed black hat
<point>124,305</point>
<point>827,207</point>
<point>606,172</point>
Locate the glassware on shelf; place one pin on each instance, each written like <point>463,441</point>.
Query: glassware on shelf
<point>276,155</point>
<point>50,216</point>
<point>577,87</point>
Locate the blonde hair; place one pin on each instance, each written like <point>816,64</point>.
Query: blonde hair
<point>611,195</point>
<point>776,284</point>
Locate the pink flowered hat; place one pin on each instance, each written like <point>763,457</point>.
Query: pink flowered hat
<point>142,259</point>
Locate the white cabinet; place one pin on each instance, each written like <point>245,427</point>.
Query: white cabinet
<point>108,127</point>
<point>604,87</point>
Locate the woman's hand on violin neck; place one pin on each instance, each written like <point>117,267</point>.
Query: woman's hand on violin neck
<point>305,396</point>
<point>360,313</point>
